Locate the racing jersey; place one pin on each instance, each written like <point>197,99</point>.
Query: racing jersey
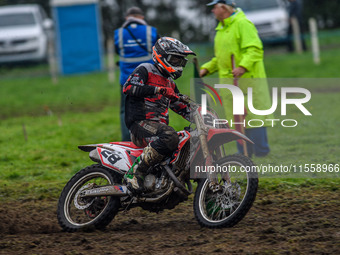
<point>144,103</point>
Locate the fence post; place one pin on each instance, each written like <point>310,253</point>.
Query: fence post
<point>297,35</point>
<point>110,61</point>
<point>52,61</point>
<point>315,41</point>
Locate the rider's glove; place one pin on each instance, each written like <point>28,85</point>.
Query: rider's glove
<point>168,92</point>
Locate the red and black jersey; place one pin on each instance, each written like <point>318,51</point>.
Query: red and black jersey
<point>142,102</point>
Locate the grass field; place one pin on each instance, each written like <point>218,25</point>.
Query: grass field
<point>42,123</point>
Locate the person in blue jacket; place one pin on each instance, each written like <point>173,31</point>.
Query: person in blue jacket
<point>133,43</point>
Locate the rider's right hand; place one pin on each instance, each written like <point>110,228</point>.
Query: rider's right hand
<point>168,92</point>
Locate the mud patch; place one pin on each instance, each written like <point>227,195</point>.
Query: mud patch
<point>303,221</point>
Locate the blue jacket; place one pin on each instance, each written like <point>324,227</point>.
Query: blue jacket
<point>132,53</point>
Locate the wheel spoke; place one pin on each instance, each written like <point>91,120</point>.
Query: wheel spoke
<point>210,199</point>
<point>219,214</point>
<point>215,209</point>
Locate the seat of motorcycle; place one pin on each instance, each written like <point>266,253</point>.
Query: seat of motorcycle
<point>128,144</point>
<point>135,150</point>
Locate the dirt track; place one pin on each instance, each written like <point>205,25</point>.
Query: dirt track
<point>302,221</point>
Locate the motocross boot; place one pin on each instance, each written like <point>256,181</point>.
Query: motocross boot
<point>135,176</point>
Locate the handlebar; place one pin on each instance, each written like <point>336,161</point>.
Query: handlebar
<point>188,101</point>
<point>184,98</point>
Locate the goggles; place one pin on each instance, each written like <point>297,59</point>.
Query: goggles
<point>175,60</point>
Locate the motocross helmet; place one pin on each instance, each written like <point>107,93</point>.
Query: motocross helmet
<point>169,54</point>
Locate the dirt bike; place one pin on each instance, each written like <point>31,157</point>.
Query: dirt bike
<point>95,194</point>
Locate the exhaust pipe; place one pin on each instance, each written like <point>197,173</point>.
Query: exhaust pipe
<point>108,190</point>
<point>122,191</point>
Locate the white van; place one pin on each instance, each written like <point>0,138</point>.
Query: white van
<point>269,16</point>
<point>24,33</point>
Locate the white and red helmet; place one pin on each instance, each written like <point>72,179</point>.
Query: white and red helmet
<point>169,54</point>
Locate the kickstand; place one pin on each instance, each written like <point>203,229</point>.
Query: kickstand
<point>127,207</point>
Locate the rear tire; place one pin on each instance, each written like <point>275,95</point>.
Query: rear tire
<point>225,208</point>
<point>75,213</point>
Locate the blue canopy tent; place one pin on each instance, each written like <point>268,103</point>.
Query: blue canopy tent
<point>78,37</point>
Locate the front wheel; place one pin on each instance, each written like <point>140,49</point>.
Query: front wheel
<point>75,212</point>
<point>237,187</point>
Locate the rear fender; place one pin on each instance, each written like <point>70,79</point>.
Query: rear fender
<point>112,155</point>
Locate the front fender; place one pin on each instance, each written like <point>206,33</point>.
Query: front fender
<point>217,137</point>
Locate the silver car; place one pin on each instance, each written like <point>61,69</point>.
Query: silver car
<point>269,16</point>
<point>24,33</point>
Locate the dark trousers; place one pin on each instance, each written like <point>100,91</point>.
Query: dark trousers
<point>162,138</point>
<point>124,130</point>
<point>260,147</point>
<point>290,36</point>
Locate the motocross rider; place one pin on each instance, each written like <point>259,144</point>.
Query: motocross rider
<point>150,91</point>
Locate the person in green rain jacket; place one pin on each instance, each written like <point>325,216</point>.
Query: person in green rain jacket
<point>236,35</point>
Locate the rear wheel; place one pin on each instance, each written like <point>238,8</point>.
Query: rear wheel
<point>76,212</point>
<point>236,193</point>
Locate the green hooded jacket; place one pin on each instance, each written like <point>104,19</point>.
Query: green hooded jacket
<point>238,36</point>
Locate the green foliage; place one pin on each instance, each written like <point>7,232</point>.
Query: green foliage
<point>327,12</point>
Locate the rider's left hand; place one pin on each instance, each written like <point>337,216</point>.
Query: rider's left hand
<point>168,92</point>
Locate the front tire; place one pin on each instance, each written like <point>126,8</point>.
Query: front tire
<point>75,213</point>
<point>226,207</point>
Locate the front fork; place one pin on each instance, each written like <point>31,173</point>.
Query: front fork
<point>212,176</point>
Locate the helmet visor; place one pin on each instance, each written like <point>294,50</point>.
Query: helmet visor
<point>178,61</point>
